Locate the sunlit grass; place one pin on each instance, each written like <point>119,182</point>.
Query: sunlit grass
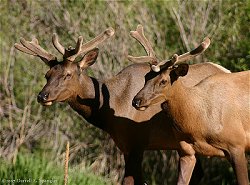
<point>37,169</point>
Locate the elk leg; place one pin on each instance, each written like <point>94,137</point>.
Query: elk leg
<point>133,171</point>
<point>198,173</point>
<point>186,163</point>
<point>239,163</point>
<point>186,167</point>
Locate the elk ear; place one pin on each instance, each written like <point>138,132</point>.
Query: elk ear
<point>89,58</point>
<point>176,72</point>
<point>181,70</point>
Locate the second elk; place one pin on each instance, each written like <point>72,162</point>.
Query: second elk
<point>211,118</point>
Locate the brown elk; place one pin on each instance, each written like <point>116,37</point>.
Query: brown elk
<point>107,104</point>
<point>211,118</point>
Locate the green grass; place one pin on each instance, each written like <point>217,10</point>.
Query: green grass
<point>37,169</point>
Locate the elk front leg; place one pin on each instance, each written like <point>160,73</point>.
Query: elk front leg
<point>133,171</point>
<point>198,173</point>
<point>186,163</point>
<point>239,163</point>
<point>186,167</point>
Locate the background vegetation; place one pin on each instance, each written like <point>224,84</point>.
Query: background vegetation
<point>33,137</point>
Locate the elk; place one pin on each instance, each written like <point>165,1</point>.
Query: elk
<point>211,118</point>
<point>107,104</point>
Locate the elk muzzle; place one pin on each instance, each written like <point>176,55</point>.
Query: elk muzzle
<point>43,98</point>
<point>137,103</point>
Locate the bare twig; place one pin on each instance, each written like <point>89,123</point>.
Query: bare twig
<point>174,13</point>
<point>66,164</point>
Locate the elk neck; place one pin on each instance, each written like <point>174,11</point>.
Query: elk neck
<point>88,99</point>
<point>179,106</point>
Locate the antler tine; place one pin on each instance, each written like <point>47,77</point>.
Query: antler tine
<point>97,40</point>
<point>33,48</point>
<point>197,51</point>
<point>142,59</point>
<point>37,49</point>
<point>20,47</point>
<point>77,50</point>
<point>140,37</point>
<point>35,41</point>
<point>57,44</point>
<point>81,48</point>
<point>182,58</point>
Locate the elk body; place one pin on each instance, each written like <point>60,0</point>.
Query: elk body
<point>211,118</point>
<point>107,104</point>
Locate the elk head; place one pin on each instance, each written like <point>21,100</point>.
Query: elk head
<point>164,72</point>
<point>63,76</point>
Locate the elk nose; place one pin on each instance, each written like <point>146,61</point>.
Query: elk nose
<point>42,97</point>
<point>136,102</point>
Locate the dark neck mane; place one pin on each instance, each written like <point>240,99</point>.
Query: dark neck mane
<point>94,107</point>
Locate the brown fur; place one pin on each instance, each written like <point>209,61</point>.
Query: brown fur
<point>211,118</point>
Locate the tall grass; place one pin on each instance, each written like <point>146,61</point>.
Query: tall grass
<point>38,169</point>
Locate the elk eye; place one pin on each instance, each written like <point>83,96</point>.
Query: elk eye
<point>163,82</point>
